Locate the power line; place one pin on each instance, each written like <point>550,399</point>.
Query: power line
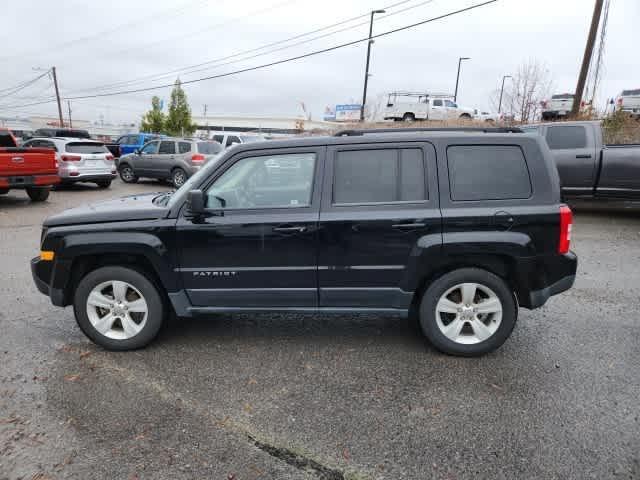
<point>23,85</point>
<point>194,68</point>
<point>278,62</point>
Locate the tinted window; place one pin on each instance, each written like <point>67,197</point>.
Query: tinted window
<point>219,138</point>
<point>631,92</point>
<point>151,147</point>
<point>86,147</point>
<point>562,96</point>
<point>437,103</point>
<point>487,172</point>
<point>565,137</point>
<point>231,139</point>
<point>167,148</point>
<point>209,148</point>
<point>379,176</point>
<point>265,182</point>
<point>184,147</point>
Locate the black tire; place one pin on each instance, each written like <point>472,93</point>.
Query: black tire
<point>127,174</point>
<point>440,286</point>
<point>155,307</point>
<point>408,117</point>
<point>178,177</point>
<point>38,194</point>
<point>104,183</point>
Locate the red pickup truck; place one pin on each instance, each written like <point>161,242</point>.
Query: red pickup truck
<point>32,169</point>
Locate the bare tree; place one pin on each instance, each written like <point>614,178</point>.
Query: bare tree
<point>523,95</point>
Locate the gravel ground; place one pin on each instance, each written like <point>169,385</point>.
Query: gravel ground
<point>352,397</point>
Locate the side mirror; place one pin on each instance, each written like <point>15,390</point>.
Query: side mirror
<point>195,201</point>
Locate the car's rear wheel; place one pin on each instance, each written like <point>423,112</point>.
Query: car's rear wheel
<point>118,308</point>
<point>104,183</point>
<point>127,174</point>
<point>38,194</point>
<point>468,312</point>
<point>408,117</point>
<point>178,177</point>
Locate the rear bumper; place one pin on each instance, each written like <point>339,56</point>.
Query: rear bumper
<point>89,177</point>
<point>554,276</point>
<point>28,181</point>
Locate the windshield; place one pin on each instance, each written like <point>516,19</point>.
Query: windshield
<point>86,147</point>
<point>195,179</point>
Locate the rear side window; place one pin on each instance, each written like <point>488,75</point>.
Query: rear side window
<point>209,148</point>
<point>184,147</point>
<point>86,147</point>
<point>437,103</point>
<point>566,137</point>
<point>219,138</point>
<point>379,176</point>
<point>167,148</point>
<point>487,172</point>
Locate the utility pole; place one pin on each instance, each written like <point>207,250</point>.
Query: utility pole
<point>206,122</point>
<point>69,107</point>
<point>455,95</point>
<point>366,70</point>
<point>501,92</point>
<point>586,60</point>
<point>55,84</point>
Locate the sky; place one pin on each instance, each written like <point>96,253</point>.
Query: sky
<point>98,44</point>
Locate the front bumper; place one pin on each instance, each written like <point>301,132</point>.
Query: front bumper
<point>41,271</point>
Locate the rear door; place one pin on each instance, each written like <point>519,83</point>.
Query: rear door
<point>573,148</point>
<point>378,201</point>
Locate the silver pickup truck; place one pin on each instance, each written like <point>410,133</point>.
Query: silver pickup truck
<point>588,167</point>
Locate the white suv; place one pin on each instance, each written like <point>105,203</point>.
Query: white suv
<point>228,139</point>
<point>408,107</point>
<point>79,159</point>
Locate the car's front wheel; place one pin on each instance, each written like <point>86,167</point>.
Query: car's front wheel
<point>468,312</point>
<point>127,174</point>
<point>118,308</point>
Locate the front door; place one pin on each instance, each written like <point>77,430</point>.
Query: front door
<point>143,162</point>
<point>257,248</point>
<point>380,207</point>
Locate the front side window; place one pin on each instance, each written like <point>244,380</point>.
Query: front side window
<point>232,139</point>
<point>270,181</point>
<point>451,104</point>
<point>566,137</point>
<point>487,172</point>
<point>150,148</point>
<point>379,176</point>
<point>167,148</point>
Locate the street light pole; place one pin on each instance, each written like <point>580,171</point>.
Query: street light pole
<point>501,92</point>
<point>455,95</point>
<point>366,70</point>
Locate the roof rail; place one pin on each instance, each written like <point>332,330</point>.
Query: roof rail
<point>365,131</point>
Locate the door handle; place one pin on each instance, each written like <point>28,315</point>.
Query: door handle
<point>583,156</point>
<point>293,229</point>
<point>408,226</point>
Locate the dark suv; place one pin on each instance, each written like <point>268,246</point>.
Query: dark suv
<point>457,229</point>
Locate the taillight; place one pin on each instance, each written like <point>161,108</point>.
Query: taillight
<point>566,220</point>
<point>620,101</point>
<point>109,157</point>
<point>197,158</point>
<point>71,158</point>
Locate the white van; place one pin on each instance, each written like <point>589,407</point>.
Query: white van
<point>409,106</point>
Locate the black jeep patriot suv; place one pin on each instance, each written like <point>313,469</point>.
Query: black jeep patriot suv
<point>457,229</point>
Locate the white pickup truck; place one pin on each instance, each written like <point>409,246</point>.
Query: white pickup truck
<point>559,106</point>
<point>629,102</point>
<point>408,107</point>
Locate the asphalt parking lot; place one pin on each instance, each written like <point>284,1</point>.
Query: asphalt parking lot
<point>290,396</point>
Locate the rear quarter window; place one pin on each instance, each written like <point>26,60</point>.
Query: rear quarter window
<point>487,172</point>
